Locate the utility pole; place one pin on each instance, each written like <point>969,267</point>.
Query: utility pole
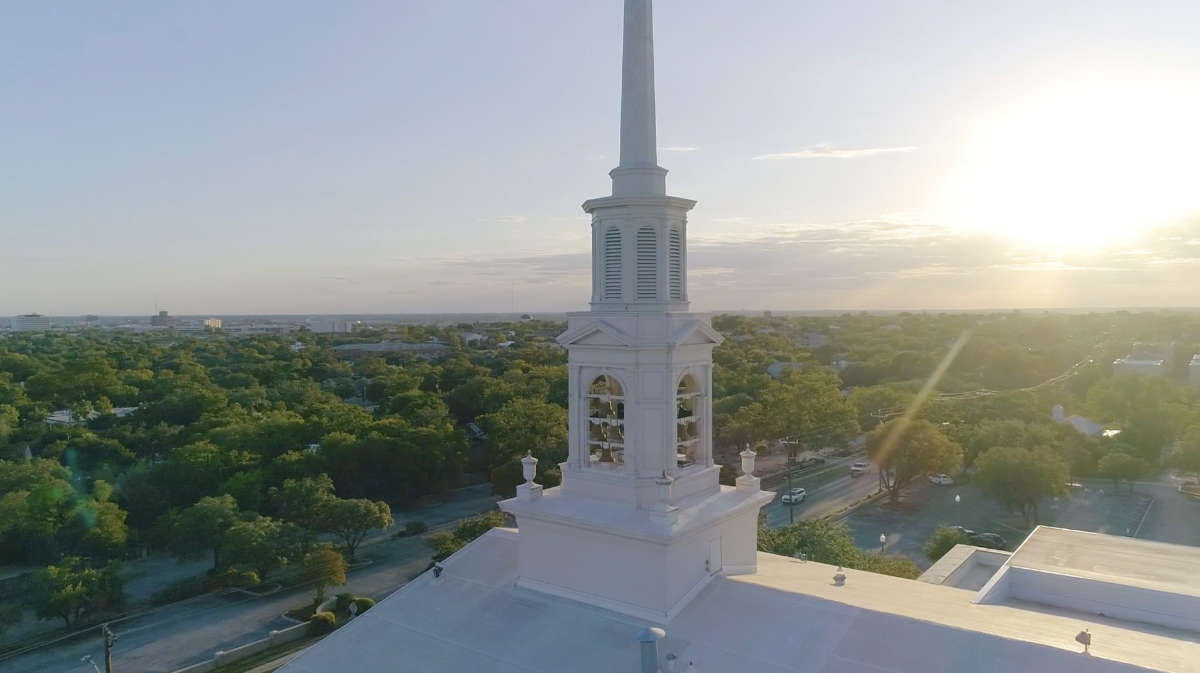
<point>791,460</point>
<point>109,639</point>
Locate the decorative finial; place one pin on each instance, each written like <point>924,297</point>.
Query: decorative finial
<point>748,457</point>
<point>529,490</point>
<point>529,467</point>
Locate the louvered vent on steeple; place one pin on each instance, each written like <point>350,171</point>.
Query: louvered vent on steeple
<point>612,264</point>
<point>647,244</point>
<point>675,263</point>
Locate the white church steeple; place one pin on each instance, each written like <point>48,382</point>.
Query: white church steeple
<point>639,172</point>
<point>640,523</point>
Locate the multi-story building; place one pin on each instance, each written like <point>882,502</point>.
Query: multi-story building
<point>30,322</point>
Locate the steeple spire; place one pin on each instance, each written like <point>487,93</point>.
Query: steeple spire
<point>639,173</point>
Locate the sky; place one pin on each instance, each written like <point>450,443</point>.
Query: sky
<point>432,155</point>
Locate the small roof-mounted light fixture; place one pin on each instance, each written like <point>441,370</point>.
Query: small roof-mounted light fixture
<point>839,578</point>
<point>438,569</point>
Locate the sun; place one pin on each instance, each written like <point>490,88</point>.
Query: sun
<point>1082,166</point>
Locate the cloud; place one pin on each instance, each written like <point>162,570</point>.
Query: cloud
<point>679,148</point>
<point>827,152</point>
<point>504,219</point>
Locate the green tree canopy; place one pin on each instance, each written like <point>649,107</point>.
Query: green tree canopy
<point>1120,466</point>
<point>904,450</point>
<point>69,590</point>
<point>1020,478</point>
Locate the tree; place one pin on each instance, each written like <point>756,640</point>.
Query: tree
<point>324,567</point>
<point>826,542</point>
<point>1120,466</point>
<point>69,590</point>
<point>10,615</point>
<point>1019,478</point>
<point>445,544</point>
<point>523,426</point>
<point>263,544</point>
<point>1186,455</point>
<point>942,541</point>
<point>352,518</point>
<point>203,527</point>
<point>905,449</point>
<point>818,539</point>
<point>302,501</point>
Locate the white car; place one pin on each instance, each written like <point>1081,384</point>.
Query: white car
<point>858,469</point>
<point>941,480</point>
<point>795,496</point>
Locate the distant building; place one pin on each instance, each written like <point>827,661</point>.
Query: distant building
<point>1081,424</point>
<point>65,417</point>
<point>331,326</point>
<point>778,369</point>
<point>356,351</point>
<point>30,322</point>
<point>212,323</point>
<point>815,340</point>
<point>472,337</point>
<point>163,319</point>
<point>1130,365</point>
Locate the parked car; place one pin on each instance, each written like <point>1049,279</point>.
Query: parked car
<point>991,540</point>
<point>941,480</point>
<point>809,461</point>
<point>858,469</point>
<point>795,496</point>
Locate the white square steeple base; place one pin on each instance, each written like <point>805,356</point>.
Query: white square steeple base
<point>627,559</point>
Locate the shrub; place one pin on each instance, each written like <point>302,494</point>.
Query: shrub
<point>363,604</point>
<point>942,541</point>
<point>181,590</point>
<point>415,527</point>
<point>234,577</point>
<point>322,622</point>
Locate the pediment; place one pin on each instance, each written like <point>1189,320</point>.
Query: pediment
<point>695,333</point>
<point>598,333</point>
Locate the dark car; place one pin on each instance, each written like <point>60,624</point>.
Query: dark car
<point>810,461</point>
<point>990,540</point>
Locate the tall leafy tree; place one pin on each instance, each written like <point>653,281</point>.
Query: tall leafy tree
<point>203,528</point>
<point>1020,478</point>
<point>70,589</point>
<point>905,449</point>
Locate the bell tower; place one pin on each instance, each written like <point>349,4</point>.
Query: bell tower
<point>640,523</point>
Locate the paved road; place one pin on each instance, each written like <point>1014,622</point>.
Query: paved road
<point>184,633</point>
<point>830,490</point>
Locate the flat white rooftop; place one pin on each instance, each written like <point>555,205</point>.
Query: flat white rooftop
<point>1112,558</point>
<point>789,617</point>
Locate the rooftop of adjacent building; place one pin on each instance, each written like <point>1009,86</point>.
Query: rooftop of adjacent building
<point>789,616</point>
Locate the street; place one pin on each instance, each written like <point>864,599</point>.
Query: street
<point>190,631</point>
<point>830,490</point>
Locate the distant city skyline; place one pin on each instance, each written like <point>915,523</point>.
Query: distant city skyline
<point>431,157</point>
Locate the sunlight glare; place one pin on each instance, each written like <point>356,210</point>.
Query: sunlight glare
<point>1084,166</point>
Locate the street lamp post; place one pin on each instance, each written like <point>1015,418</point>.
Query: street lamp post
<point>882,542</point>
